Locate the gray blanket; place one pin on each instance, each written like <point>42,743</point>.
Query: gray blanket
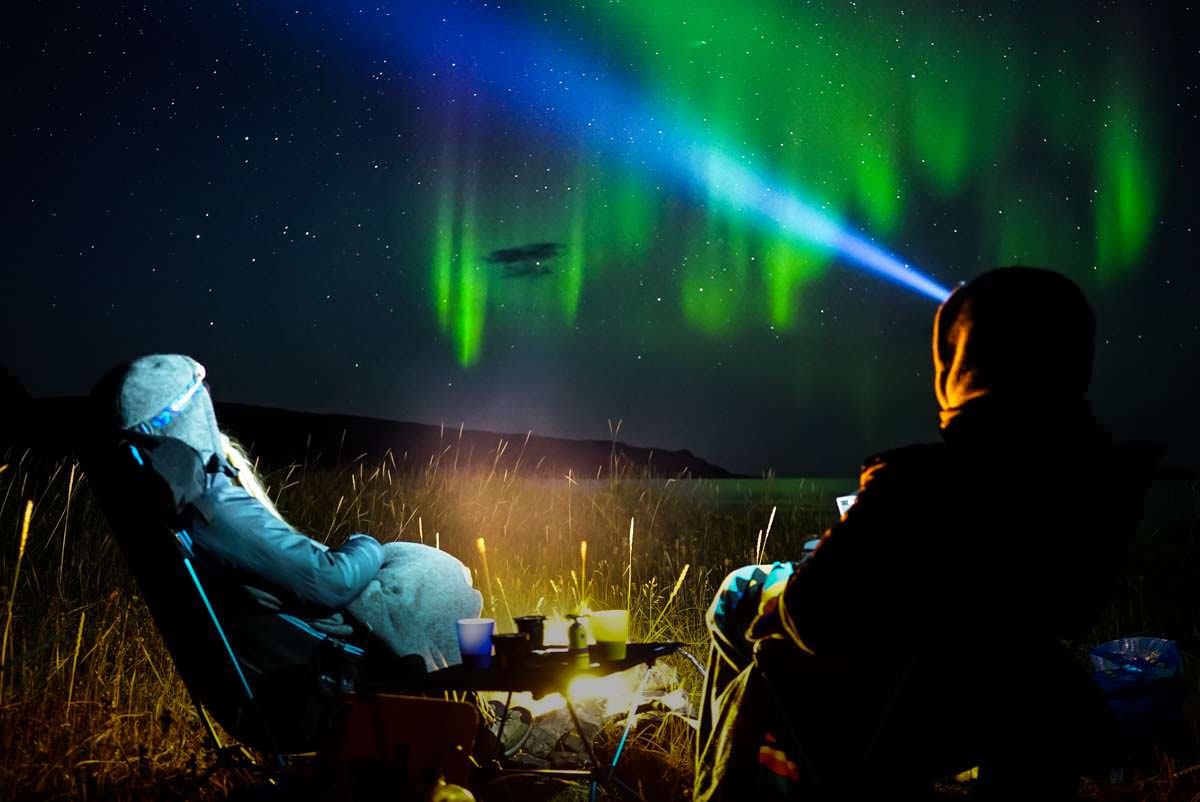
<point>414,600</point>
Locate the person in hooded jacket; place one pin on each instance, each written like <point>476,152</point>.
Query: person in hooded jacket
<point>283,598</point>
<point>931,629</point>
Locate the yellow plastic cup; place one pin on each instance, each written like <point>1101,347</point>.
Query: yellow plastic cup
<point>610,628</point>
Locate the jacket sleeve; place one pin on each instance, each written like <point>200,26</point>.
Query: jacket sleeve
<point>236,531</point>
<point>842,598</point>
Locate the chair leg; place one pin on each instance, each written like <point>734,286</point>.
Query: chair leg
<point>591,753</point>
<point>629,718</point>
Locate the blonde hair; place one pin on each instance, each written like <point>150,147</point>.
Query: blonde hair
<point>247,477</point>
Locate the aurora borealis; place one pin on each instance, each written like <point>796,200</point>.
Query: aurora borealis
<point>721,203</point>
<point>868,118</point>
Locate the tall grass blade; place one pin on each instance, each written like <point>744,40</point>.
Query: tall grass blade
<point>12,596</point>
<point>62,557</point>
<point>629,570</point>
<point>75,657</point>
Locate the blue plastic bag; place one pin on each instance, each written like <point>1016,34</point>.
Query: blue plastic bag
<point>1143,681</point>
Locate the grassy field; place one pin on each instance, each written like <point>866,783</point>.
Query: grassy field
<point>90,706</point>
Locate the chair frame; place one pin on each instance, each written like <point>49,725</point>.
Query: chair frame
<point>227,755</point>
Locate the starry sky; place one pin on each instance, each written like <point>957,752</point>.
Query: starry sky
<point>557,216</point>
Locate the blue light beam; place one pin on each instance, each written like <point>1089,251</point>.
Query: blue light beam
<point>519,67</point>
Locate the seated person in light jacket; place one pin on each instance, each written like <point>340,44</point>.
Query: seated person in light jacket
<point>277,591</point>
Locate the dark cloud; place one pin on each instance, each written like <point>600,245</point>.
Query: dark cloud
<point>532,252</point>
<point>526,261</point>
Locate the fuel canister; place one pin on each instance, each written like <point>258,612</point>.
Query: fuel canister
<point>577,645</point>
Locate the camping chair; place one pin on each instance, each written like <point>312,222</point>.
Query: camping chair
<point>915,740</point>
<point>137,481</point>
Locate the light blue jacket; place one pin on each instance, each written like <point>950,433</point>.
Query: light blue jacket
<point>242,539</point>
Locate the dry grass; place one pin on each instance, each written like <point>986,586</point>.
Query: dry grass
<point>90,705</point>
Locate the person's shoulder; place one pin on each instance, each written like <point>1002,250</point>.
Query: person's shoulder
<point>913,463</point>
<point>225,503</point>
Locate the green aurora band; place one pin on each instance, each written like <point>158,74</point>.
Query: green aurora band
<point>1044,152</point>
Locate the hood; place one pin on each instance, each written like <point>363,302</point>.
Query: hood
<point>163,395</point>
<point>1023,337</point>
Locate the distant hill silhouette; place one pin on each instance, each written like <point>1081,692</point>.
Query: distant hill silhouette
<point>280,437</point>
<point>14,404</point>
<point>12,393</point>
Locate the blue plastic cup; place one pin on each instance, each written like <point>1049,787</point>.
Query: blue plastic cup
<point>475,641</point>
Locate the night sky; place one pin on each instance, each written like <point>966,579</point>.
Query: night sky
<point>552,215</point>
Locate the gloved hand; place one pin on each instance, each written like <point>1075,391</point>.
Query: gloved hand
<point>767,623</point>
<point>334,625</point>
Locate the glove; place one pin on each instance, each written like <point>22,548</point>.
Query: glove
<point>334,625</point>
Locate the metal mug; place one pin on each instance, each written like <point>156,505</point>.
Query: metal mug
<point>534,627</point>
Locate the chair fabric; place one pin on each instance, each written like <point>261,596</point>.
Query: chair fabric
<point>143,485</point>
<point>800,726</point>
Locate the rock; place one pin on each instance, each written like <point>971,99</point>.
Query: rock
<point>547,731</point>
<point>568,760</point>
<point>558,720</point>
<point>572,743</point>
<point>591,714</point>
<point>541,742</point>
<point>662,680</point>
<point>524,760</point>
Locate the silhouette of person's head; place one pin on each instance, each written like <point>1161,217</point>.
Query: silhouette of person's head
<point>162,395</point>
<point>1023,336</point>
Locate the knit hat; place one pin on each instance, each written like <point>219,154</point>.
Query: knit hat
<point>163,395</point>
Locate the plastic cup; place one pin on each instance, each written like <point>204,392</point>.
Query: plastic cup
<point>610,628</point>
<point>475,641</point>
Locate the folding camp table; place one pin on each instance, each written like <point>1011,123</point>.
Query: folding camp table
<point>548,671</point>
